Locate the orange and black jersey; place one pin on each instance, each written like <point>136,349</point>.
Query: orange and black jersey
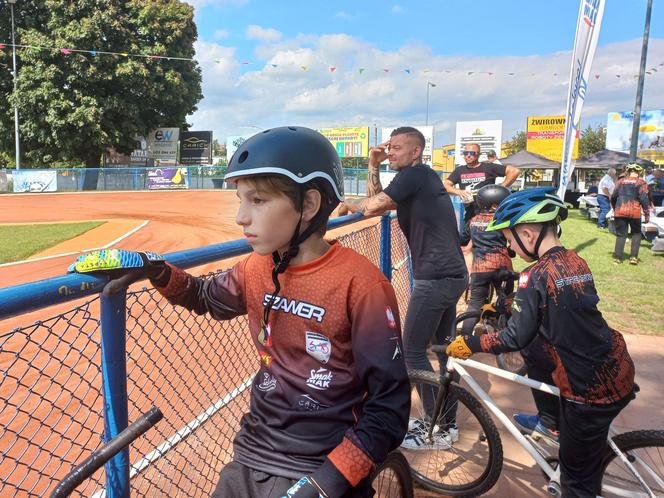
<point>556,298</point>
<point>331,396</point>
<point>629,197</point>
<point>489,248</point>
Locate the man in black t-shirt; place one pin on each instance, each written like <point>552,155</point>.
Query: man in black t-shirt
<point>475,175</point>
<point>427,219</point>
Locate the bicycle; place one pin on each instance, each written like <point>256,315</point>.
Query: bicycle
<point>463,456</point>
<point>493,317</point>
<point>390,479</point>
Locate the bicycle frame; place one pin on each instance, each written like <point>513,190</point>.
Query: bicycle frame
<point>459,366</point>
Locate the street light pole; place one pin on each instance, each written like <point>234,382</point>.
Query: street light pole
<point>15,73</point>
<point>634,144</point>
<point>428,85</point>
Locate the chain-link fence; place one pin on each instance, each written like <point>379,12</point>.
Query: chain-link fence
<point>197,371</point>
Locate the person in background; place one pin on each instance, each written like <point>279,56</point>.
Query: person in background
<point>604,192</point>
<point>492,158</point>
<point>490,253</point>
<point>629,198</point>
<point>657,188</point>
<point>474,175</point>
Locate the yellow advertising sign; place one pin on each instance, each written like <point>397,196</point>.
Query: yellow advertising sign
<point>349,142</point>
<point>545,137</point>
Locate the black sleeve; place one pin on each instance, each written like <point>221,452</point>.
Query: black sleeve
<point>455,176</point>
<point>403,185</point>
<point>464,235</point>
<point>522,326</point>
<point>614,195</point>
<point>498,169</point>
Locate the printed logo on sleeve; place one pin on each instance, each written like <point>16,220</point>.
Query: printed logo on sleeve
<point>523,280</point>
<point>318,346</point>
<point>309,404</point>
<point>268,383</point>
<point>320,379</point>
<point>391,322</point>
<point>397,348</point>
<point>266,358</point>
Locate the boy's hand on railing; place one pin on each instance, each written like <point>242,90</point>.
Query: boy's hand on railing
<point>124,267</point>
<point>458,348</point>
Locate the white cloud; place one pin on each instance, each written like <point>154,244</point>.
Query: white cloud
<point>255,32</point>
<point>342,14</point>
<point>221,34</point>
<point>265,95</point>
<point>397,9</point>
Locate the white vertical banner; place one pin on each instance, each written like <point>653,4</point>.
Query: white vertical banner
<point>585,42</point>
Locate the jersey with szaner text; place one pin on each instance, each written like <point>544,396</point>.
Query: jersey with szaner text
<point>331,396</point>
<point>556,298</point>
<point>489,248</point>
<point>630,196</point>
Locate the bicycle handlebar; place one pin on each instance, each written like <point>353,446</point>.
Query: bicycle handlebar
<point>99,457</point>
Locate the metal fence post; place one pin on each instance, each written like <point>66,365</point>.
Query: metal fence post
<point>386,246</point>
<point>114,378</point>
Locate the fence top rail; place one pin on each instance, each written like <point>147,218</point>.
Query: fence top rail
<point>23,298</point>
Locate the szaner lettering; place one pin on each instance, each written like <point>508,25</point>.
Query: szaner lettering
<point>298,308</point>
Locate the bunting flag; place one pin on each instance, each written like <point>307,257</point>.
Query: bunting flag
<point>68,51</point>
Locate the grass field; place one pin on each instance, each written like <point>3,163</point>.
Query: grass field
<point>631,297</point>
<point>22,241</point>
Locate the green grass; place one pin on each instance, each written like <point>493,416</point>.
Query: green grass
<point>631,297</point>
<point>22,241</point>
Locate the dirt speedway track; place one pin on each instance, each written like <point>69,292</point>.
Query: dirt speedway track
<point>189,219</point>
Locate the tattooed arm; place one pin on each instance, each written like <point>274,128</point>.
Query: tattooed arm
<point>370,206</point>
<point>376,155</point>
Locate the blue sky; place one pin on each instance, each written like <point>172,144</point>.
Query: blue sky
<point>438,41</point>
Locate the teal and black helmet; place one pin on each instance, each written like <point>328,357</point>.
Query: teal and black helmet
<point>533,205</point>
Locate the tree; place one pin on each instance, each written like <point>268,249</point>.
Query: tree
<point>591,141</point>
<point>517,143</point>
<point>74,106</point>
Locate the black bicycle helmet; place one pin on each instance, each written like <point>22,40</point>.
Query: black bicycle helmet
<point>301,154</point>
<point>307,158</point>
<point>491,195</point>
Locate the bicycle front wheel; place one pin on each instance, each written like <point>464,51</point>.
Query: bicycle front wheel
<point>645,451</point>
<point>392,478</point>
<point>464,456</point>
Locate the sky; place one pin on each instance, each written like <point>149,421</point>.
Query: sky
<point>318,63</point>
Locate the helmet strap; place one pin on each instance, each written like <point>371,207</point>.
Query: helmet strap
<point>535,254</point>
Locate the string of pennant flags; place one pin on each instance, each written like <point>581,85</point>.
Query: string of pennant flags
<point>331,68</point>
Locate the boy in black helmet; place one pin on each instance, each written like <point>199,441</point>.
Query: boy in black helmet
<point>331,397</point>
<point>490,254</point>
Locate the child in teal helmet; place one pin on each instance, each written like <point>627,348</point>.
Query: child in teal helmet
<point>556,302</point>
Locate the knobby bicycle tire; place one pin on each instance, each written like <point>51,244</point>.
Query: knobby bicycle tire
<point>478,449</point>
<point>392,479</point>
<point>645,450</point>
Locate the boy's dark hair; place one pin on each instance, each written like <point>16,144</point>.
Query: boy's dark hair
<point>413,132</point>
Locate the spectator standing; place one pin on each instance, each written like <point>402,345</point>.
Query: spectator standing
<point>629,198</point>
<point>475,175</point>
<point>604,192</point>
<point>657,188</point>
<point>492,158</point>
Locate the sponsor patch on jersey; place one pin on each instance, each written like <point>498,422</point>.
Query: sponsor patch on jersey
<point>297,308</point>
<point>268,383</point>
<point>265,335</point>
<point>266,359</point>
<point>390,318</point>
<point>320,379</point>
<point>318,346</point>
<point>523,280</point>
<point>308,404</point>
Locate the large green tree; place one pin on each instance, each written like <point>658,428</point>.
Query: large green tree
<point>591,141</point>
<point>74,106</point>
<point>517,143</point>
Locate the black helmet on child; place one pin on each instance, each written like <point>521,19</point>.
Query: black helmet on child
<point>301,154</point>
<point>490,195</point>
<point>308,159</point>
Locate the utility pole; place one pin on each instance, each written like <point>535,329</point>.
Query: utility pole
<point>15,73</point>
<point>429,84</point>
<point>634,143</point>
